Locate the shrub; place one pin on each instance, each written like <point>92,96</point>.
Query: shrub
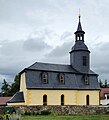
<point>6,116</point>
<point>15,117</point>
<point>1,117</point>
<point>27,113</point>
<point>35,113</point>
<point>9,110</point>
<point>45,112</point>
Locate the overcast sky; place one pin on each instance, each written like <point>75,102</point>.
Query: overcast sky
<point>43,31</point>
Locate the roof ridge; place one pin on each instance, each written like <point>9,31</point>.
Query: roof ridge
<point>48,64</point>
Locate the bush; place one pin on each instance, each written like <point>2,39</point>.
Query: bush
<point>15,117</point>
<point>35,113</point>
<point>9,110</point>
<point>27,113</point>
<point>45,112</point>
<point>1,117</point>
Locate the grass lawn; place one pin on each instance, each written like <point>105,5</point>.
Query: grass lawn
<point>76,117</point>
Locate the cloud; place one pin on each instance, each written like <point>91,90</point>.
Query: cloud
<point>100,58</point>
<point>18,54</point>
<point>37,45</point>
<point>60,54</point>
<point>60,51</point>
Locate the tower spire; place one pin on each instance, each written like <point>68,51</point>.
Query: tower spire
<point>79,24</point>
<point>79,34</point>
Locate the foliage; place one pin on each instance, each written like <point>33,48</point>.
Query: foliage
<point>1,117</point>
<point>103,84</point>
<point>9,110</point>
<point>6,116</point>
<point>10,90</point>
<point>5,88</point>
<point>45,112</point>
<point>15,116</point>
<point>27,113</point>
<point>15,86</point>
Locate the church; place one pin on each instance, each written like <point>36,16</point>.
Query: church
<point>58,84</point>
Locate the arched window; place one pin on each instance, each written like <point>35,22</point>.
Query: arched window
<point>87,99</point>
<point>62,99</point>
<point>61,78</point>
<point>82,37</point>
<point>45,78</point>
<point>44,99</point>
<point>78,37</point>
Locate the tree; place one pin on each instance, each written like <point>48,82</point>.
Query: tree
<point>5,88</point>
<point>101,83</point>
<point>15,86</point>
<point>10,90</point>
<point>105,83</point>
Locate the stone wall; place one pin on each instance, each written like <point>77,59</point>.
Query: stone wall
<point>65,110</point>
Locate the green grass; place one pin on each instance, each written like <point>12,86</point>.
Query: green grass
<point>76,117</point>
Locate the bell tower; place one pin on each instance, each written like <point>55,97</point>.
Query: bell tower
<point>79,54</point>
<point>79,34</point>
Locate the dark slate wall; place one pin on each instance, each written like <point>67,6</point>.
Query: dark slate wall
<point>72,81</point>
<point>33,79</point>
<point>76,60</point>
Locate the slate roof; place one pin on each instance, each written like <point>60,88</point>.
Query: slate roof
<point>56,68</point>
<point>52,67</point>
<point>79,28</point>
<point>80,45</point>
<point>72,77</point>
<point>18,97</point>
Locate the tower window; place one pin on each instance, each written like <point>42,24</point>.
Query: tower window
<point>61,78</point>
<point>84,60</point>
<point>78,37</point>
<point>45,78</point>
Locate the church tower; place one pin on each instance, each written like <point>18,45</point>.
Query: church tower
<point>79,54</point>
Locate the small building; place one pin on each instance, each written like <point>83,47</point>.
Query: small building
<point>59,84</point>
<point>104,96</point>
<point>4,100</point>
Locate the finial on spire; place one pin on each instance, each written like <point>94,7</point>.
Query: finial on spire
<point>79,14</point>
